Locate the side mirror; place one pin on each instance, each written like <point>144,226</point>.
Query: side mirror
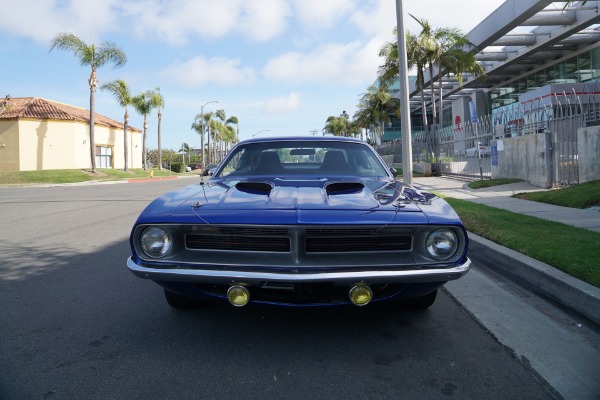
<point>394,172</point>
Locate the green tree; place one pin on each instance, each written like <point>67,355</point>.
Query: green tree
<point>95,57</point>
<point>445,48</point>
<point>158,102</point>
<point>335,125</point>
<point>198,126</point>
<point>225,136</point>
<point>121,92</point>
<point>229,137</point>
<point>144,103</point>
<point>214,132</point>
<point>186,149</point>
<point>209,125</point>
<point>235,120</point>
<point>375,109</point>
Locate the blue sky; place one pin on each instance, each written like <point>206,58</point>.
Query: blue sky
<point>278,65</point>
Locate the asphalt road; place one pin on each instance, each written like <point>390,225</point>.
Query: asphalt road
<point>76,324</point>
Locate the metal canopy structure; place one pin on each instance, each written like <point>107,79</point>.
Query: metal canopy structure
<point>518,38</point>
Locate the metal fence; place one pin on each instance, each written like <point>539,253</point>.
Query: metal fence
<point>465,149</point>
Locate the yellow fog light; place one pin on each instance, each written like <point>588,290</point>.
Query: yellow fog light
<point>361,295</point>
<point>238,296</point>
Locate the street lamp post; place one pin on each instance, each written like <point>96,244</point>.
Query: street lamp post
<point>404,100</point>
<point>202,132</point>
<point>264,130</point>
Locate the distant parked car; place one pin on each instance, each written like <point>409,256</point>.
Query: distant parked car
<point>484,150</point>
<point>207,170</point>
<point>300,221</point>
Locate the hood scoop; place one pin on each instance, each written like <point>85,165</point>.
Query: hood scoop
<point>343,188</point>
<point>260,188</point>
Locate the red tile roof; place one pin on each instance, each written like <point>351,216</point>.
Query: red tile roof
<point>39,108</point>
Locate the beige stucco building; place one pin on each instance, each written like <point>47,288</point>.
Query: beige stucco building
<point>41,134</point>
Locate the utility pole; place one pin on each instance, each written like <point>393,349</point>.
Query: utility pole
<point>407,167</point>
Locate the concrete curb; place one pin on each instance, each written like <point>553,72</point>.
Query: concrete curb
<point>156,178</point>
<point>543,279</point>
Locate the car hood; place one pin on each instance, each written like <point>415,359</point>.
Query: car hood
<point>289,201</point>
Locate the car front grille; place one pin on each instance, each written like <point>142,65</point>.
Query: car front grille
<point>238,243</point>
<point>356,244</point>
<point>307,240</point>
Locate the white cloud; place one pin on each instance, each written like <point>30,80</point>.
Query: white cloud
<point>199,71</point>
<point>176,22</point>
<point>379,19</point>
<point>375,19</point>
<point>283,104</point>
<point>264,19</point>
<point>335,63</point>
<point>41,20</point>
<point>322,13</point>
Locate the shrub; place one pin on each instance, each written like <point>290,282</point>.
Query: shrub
<point>178,167</point>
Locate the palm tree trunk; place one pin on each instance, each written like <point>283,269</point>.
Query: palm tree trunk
<point>435,122</point>
<point>125,144</point>
<point>93,83</point>
<point>441,93</point>
<point>425,125</point>
<point>208,140</point>
<point>433,108</point>
<point>159,150</point>
<point>144,151</point>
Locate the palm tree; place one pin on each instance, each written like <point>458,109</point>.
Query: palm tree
<point>376,108</point>
<point>158,101</point>
<point>186,149</point>
<point>364,119</point>
<point>335,125</point>
<point>120,90</point>
<point>95,57</point>
<point>198,126</point>
<point>215,127</point>
<point>236,121</point>
<point>208,119</point>
<point>229,137</point>
<point>416,57</point>
<point>143,103</point>
<point>233,120</point>
<point>446,51</point>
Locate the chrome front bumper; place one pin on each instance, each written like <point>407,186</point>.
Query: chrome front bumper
<point>340,278</point>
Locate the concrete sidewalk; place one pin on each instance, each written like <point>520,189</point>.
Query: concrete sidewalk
<point>541,278</point>
<point>500,197</point>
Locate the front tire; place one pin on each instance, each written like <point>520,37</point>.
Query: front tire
<point>422,302</point>
<point>181,302</point>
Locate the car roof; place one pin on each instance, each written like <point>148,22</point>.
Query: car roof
<point>303,138</point>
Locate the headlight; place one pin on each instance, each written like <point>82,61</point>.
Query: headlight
<point>156,242</point>
<point>442,244</point>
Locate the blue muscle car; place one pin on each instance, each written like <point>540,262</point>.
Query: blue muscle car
<point>300,221</point>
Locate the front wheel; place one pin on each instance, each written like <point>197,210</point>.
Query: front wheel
<point>421,302</point>
<point>182,302</point>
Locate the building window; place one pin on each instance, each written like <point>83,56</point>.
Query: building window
<point>104,157</point>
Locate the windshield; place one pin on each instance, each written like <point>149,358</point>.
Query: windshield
<point>289,158</point>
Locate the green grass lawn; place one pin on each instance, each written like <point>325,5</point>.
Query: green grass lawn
<point>584,195</point>
<point>75,175</point>
<point>575,251</point>
<point>492,182</point>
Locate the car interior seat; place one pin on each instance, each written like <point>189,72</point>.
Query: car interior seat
<point>268,163</point>
<point>335,161</point>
